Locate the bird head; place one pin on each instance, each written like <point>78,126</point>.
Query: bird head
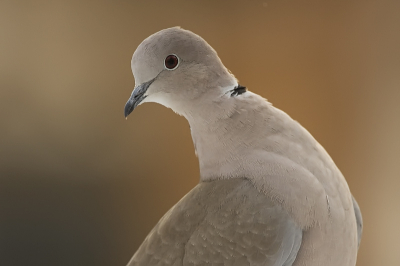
<point>180,70</point>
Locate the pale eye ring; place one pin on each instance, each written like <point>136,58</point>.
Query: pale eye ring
<point>171,62</point>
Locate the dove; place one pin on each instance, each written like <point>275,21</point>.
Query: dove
<point>269,194</point>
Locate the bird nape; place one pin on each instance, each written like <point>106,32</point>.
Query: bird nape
<point>269,194</point>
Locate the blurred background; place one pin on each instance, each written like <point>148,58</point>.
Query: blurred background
<point>80,185</point>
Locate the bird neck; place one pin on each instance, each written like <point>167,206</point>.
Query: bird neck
<point>228,132</point>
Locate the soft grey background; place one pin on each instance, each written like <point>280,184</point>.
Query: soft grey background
<point>79,185</point>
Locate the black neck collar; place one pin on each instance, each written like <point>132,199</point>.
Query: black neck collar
<point>239,89</point>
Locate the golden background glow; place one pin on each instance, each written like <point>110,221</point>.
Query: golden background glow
<point>79,185</point>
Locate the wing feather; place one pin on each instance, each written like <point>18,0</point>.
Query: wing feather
<point>222,222</point>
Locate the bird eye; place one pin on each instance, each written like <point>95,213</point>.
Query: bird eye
<point>171,62</point>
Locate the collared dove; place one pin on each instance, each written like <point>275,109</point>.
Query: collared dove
<point>269,194</point>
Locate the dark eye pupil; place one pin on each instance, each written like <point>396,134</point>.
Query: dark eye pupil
<point>171,61</point>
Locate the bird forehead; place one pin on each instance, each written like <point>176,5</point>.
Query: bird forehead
<point>148,59</point>
<point>187,45</point>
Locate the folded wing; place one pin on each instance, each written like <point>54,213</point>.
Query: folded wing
<point>222,222</point>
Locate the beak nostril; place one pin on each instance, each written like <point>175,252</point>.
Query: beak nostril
<point>137,96</point>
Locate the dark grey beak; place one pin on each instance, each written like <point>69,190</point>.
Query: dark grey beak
<point>137,96</point>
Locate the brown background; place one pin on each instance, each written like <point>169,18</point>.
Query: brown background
<point>79,185</point>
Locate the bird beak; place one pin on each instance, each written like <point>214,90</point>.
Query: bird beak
<point>137,96</point>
